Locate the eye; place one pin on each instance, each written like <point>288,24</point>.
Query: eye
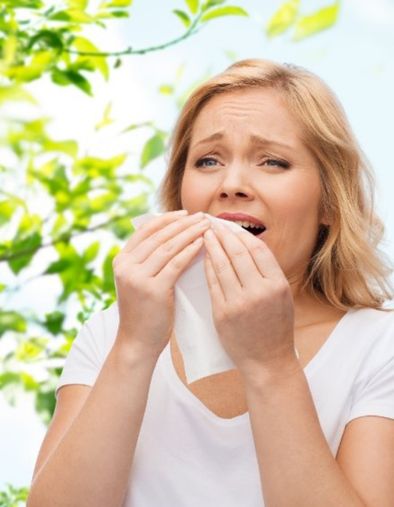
<point>275,162</point>
<point>206,162</point>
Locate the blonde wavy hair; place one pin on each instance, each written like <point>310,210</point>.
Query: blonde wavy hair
<point>346,268</point>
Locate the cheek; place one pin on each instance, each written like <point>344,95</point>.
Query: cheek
<point>195,191</point>
<point>299,200</point>
<point>295,223</point>
<point>292,207</point>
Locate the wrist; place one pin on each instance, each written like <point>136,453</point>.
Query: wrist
<point>272,374</point>
<point>131,351</point>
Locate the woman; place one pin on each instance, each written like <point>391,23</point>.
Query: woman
<point>271,142</point>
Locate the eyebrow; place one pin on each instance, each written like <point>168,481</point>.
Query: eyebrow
<point>255,140</point>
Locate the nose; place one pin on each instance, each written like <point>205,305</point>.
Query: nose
<point>235,183</point>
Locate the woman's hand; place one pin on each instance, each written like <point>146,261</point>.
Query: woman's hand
<point>146,270</point>
<point>251,299</point>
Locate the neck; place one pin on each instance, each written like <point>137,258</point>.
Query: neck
<point>309,310</point>
<point>305,304</point>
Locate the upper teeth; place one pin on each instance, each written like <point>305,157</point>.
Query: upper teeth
<point>248,224</point>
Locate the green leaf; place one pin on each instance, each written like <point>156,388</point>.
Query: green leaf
<point>118,3</point>
<point>27,240</point>
<point>231,55</point>
<point>93,167</point>
<point>65,77</point>
<point>183,17</point>
<point>59,226</point>
<point>166,89</point>
<point>11,496</point>
<point>97,62</point>
<point>54,321</point>
<point>134,126</point>
<point>284,17</point>
<point>106,119</point>
<point>46,39</point>
<point>229,10</point>
<point>11,321</point>
<point>72,15</point>
<point>45,405</point>
<point>192,5</point>
<point>30,244</point>
<point>122,228</point>
<point>59,77</point>
<point>9,377</point>
<point>15,93</point>
<point>58,266</point>
<point>91,252</point>
<point>108,276</point>
<point>77,4</point>
<point>68,147</point>
<point>103,202</point>
<point>7,209</point>
<point>153,148</point>
<point>316,22</point>
<point>40,62</point>
<point>211,3</point>
<point>119,14</point>
<point>77,277</point>
<point>27,4</point>
<point>28,350</point>
<point>53,177</point>
<point>9,50</point>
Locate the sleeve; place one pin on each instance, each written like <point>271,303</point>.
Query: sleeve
<point>84,360</point>
<point>376,395</point>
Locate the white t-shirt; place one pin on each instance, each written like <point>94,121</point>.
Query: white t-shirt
<point>186,456</point>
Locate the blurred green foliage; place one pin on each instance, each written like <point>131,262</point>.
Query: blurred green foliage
<point>81,194</point>
<point>13,497</point>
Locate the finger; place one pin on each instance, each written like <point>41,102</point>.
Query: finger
<point>174,268</point>
<point>213,283</point>
<point>161,253</point>
<point>145,241</point>
<point>262,255</point>
<point>239,254</point>
<point>155,224</point>
<point>221,263</point>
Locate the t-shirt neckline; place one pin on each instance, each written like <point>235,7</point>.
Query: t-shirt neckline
<point>176,383</point>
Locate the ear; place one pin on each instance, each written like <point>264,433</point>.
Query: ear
<point>326,220</point>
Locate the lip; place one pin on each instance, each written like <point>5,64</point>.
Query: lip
<point>243,217</point>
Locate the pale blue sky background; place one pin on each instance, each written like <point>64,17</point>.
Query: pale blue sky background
<point>354,58</point>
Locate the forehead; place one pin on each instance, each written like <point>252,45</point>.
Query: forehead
<point>252,111</point>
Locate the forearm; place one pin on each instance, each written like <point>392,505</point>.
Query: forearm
<point>91,465</point>
<point>296,465</point>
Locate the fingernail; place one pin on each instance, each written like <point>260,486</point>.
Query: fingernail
<point>209,234</point>
<point>181,212</point>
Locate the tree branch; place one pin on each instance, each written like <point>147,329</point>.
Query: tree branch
<point>61,239</point>
<point>192,30</point>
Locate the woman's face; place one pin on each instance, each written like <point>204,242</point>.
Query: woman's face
<point>247,155</point>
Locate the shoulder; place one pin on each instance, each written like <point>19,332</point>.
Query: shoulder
<point>370,338</point>
<point>99,331</point>
<point>372,324</point>
<point>105,319</point>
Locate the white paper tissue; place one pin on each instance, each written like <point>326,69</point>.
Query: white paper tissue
<point>195,332</point>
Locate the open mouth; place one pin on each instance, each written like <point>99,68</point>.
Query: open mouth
<point>256,231</point>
